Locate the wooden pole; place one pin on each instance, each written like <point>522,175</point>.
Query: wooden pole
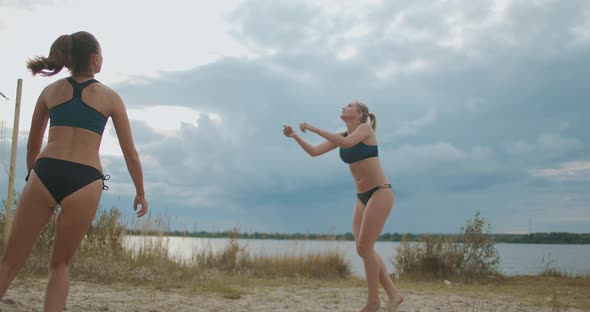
<point>10,199</point>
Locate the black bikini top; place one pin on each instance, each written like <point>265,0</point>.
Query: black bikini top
<point>358,152</point>
<point>76,113</point>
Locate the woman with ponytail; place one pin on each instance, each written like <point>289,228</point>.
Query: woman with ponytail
<point>68,171</point>
<point>358,148</point>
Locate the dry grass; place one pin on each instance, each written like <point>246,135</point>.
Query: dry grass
<point>469,256</point>
<point>559,293</point>
<point>103,259</point>
<point>234,272</point>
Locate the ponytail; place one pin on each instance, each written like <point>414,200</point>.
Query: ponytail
<point>373,121</point>
<point>71,51</point>
<point>60,56</point>
<point>365,115</point>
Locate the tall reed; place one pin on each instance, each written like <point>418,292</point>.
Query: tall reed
<point>105,256</point>
<point>469,255</point>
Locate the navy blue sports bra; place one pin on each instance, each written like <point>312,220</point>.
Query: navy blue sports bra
<point>358,152</point>
<point>76,113</point>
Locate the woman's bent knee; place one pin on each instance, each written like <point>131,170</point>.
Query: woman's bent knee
<point>364,250</point>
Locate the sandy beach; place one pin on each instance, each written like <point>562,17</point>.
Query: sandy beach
<point>27,296</point>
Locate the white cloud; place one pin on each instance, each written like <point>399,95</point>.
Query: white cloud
<point>582,32</point>
<point>568,170</point>
<point>215,118</point>
<point>208,98</point>
<point>23,3</point>
<point>165,119</point>
<point>347,53</point>
<point>133,51</point>
<point>438,158</point>
<point>455,39</point>
<point>413,127</point>
<point>358,31</point>
<point>399,30</point>
<point>391,69</point>
<point>476,105</point>
<point>548,145</point>
<point>386,71</point>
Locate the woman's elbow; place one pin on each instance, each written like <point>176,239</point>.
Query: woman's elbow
<point>32,147</point>
<point>131,156</point>
<point>313,153</point>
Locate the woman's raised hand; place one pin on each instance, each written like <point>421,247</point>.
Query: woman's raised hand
<point>288,131</point>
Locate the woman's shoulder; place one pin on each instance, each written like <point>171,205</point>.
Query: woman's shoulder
<point>58,84</point>
<point>56,88</point>
<point>99,86</point>
<point>103,91</point>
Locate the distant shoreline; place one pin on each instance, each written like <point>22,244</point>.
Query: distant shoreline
<point>561,238</point>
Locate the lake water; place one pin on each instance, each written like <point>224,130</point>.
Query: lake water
<point>516,259</point>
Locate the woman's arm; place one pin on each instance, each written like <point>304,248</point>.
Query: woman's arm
<point>313,151</point>
<point>123,129</point>
<point>359,134</point>
<point>37,131</point>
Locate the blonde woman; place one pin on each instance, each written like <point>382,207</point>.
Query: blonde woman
<point>358,148</point>
<point>68,170</point>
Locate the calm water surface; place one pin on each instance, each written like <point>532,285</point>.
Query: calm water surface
<point>516,259</point>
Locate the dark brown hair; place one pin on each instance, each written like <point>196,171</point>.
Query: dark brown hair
<point>70,51</point>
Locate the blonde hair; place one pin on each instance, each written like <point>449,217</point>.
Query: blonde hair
<point>365,115</point>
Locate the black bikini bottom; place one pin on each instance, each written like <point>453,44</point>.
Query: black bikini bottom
<point>364,197</point>
<point>63,177</point>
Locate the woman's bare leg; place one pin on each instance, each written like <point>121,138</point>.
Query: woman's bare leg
<point>33,210</point>
<point>373,220</point>
<point>78,212</point>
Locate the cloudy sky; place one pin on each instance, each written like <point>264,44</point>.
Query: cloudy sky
<point>481,106</point>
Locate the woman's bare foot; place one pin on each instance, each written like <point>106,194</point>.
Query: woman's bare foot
<point>371,307</point>
<point>394,301</point>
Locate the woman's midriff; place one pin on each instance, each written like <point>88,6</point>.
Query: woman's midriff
<point>72,144</point>
<point>367,174</point>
